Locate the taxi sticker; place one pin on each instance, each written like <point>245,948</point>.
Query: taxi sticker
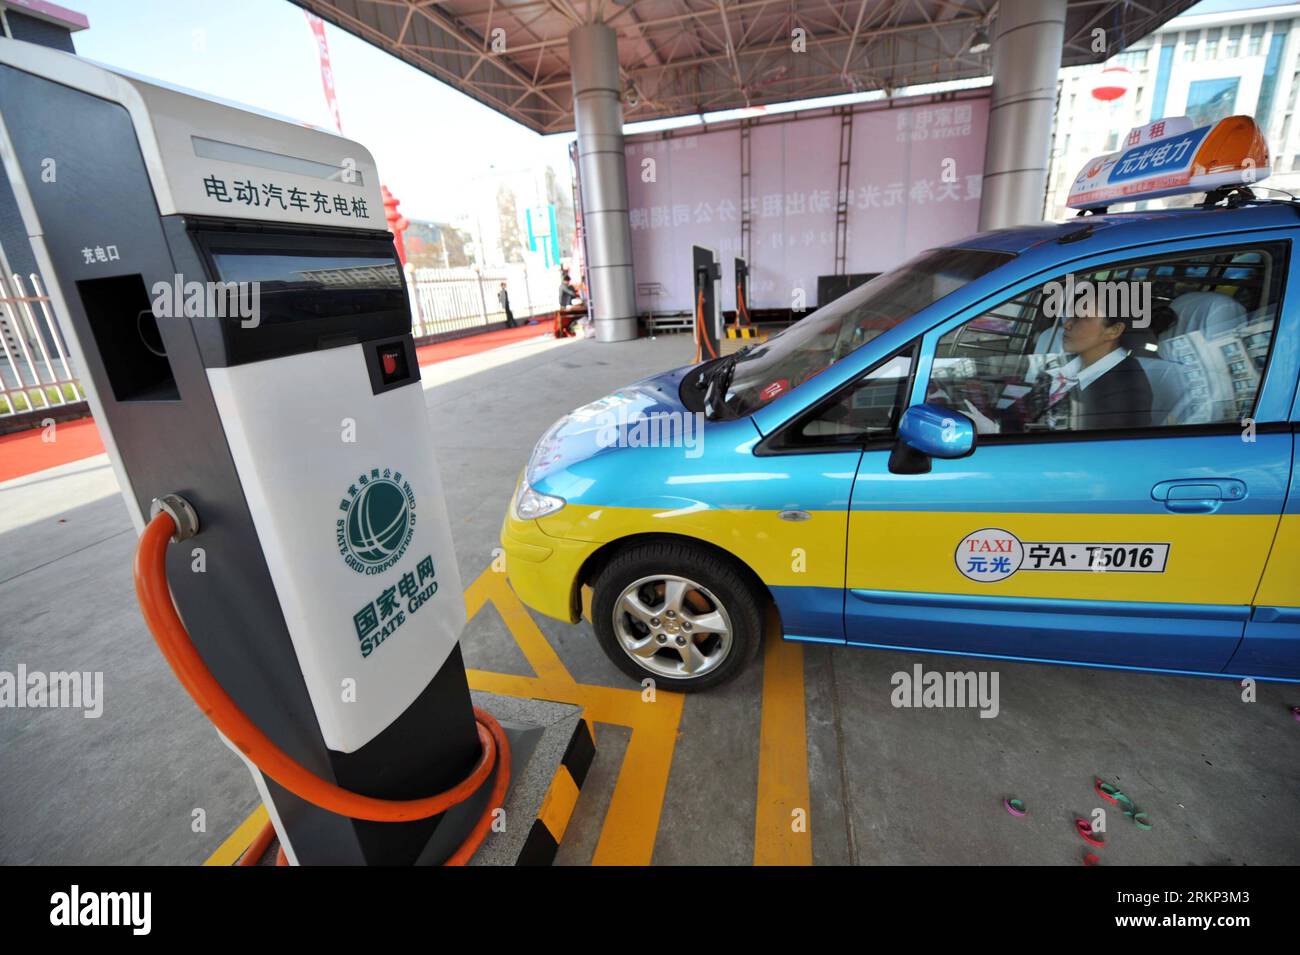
<point>991,554</point>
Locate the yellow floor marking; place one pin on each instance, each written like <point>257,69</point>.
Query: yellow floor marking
<point>632,820</point>
<point>540,654</point>
<point>782,759</point>
<point>228,852</point>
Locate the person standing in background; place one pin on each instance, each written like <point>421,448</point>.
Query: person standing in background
<point>503,296</point>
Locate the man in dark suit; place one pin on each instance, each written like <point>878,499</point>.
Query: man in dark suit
<point>503,298</point>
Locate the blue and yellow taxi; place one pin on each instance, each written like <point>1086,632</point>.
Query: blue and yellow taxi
<point>1072,443</point>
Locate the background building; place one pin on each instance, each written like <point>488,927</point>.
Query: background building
<point>436,245</point>
<point>1220,59</point>
<point>515,214</point>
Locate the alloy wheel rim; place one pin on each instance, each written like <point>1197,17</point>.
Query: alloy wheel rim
<point>672,626</point>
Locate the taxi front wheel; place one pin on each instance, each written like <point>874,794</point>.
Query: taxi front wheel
<point>677,614</point>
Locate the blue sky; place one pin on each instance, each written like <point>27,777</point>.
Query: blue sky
<point>428,139</point>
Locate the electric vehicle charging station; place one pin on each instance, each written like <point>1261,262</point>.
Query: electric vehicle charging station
<point>741,272</point>
<point>240,321</point>
<point>708,302</point>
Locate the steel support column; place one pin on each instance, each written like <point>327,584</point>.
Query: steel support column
<point>1027,42</point>
<point>598,116</point>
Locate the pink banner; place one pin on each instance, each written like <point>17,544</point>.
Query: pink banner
<point>914,183</point>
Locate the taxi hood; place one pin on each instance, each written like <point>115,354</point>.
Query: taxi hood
<point>619,420</point>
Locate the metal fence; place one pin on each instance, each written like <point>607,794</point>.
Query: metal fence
<point>445,302</point>
<point>36,370</point>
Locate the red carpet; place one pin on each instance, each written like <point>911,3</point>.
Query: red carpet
<point>25,453</point>
<point>473,344</point>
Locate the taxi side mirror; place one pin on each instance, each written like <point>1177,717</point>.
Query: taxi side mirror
<point>930,431</point>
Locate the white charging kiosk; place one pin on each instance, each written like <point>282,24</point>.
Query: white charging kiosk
<point>238,316</point>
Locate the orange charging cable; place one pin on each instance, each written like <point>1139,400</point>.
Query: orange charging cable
<point>174,641</point>
<point>742,309</point>
<point>701,336</point>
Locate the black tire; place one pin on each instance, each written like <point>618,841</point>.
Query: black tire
<point>743,601</point>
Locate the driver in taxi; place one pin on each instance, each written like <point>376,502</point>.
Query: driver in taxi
<point>1102,387</point>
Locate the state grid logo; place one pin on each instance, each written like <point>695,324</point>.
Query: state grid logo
<point>378,521</point>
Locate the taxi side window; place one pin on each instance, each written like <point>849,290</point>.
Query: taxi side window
<point>866,410</point>
<point>1160,342</point>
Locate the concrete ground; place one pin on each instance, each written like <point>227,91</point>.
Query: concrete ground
<point>1219,777</point>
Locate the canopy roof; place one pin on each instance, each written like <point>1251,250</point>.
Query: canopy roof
<point>681,57</point>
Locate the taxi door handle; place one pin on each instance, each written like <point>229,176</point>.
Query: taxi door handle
<point>1198,495</point>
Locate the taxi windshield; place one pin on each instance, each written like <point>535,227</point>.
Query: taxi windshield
<point>752,378</point>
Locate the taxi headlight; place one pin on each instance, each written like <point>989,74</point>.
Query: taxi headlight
<point>530,504</point>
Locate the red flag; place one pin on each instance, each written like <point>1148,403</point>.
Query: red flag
<point>326,74</point>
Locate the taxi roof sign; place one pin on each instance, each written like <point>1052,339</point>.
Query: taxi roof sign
<point>1168,157</point>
